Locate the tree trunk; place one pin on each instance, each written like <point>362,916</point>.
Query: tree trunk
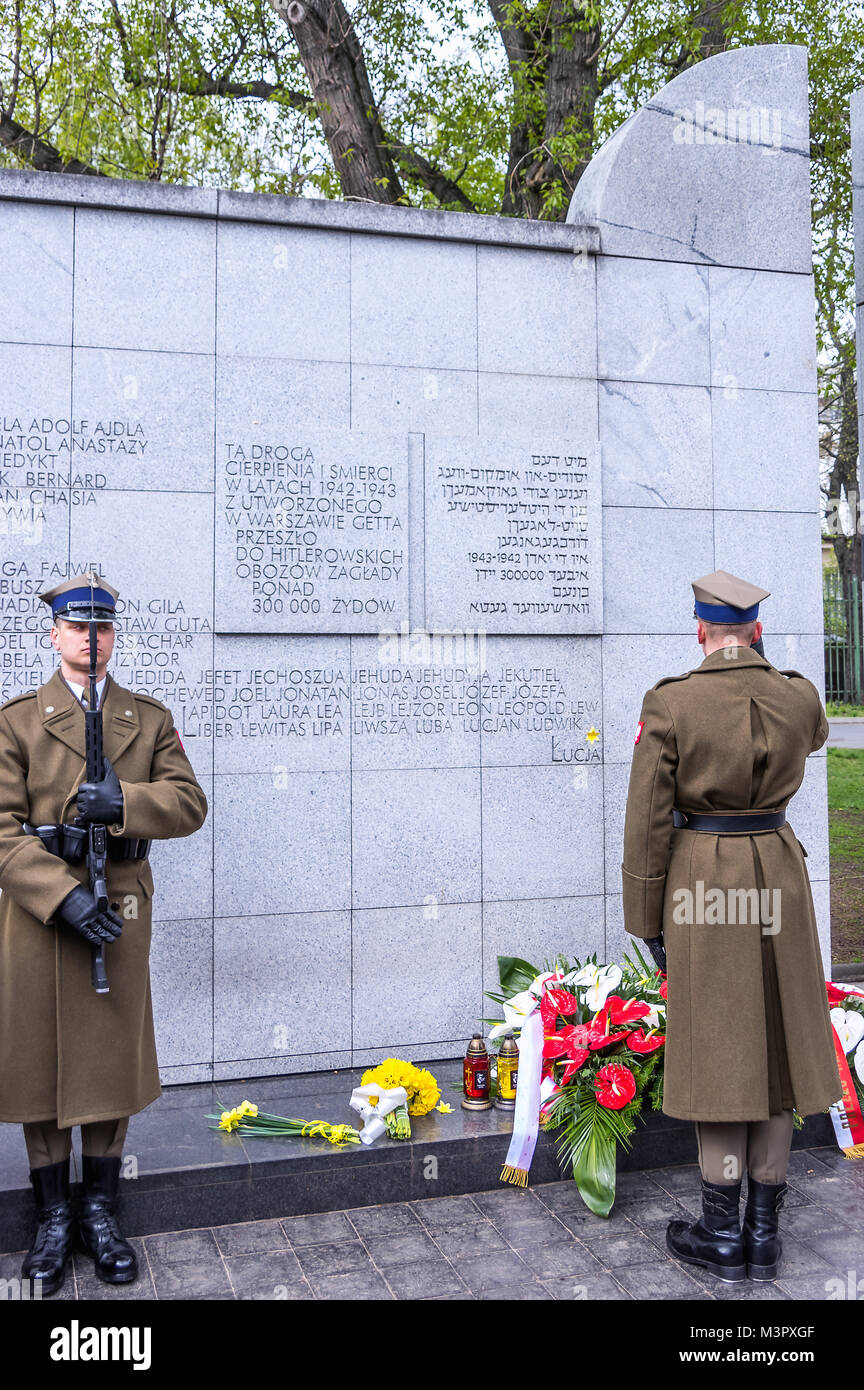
<point>553,67</point>
<point>844,477</point>
<point>337,76</point>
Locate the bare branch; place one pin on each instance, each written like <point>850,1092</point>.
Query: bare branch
<point>416,165</point>
<point>618,27</point>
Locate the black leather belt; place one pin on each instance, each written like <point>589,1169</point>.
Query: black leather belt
<point>717,825</point>
<point>69,842</point>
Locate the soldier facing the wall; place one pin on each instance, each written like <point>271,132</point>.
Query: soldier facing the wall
<point>69,1055</point>
<point>719,751</point>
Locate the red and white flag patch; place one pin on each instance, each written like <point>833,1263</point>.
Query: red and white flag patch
<point>639,727</point>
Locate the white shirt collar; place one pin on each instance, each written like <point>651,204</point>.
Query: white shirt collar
<point>78,690</point>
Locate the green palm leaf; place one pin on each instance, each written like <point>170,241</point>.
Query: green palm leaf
<point>515,974</point>
<point>590,1135</point>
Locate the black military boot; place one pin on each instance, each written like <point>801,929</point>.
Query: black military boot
<point>762,1245</point>
<point>715,1240</point>
<point>46,1260</point>
<point>97,1231</point>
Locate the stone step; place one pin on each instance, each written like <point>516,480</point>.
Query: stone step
<point>190,1175</point>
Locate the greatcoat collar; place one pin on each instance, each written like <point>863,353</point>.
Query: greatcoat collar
<point>744,656</point>
<point>63,715</point>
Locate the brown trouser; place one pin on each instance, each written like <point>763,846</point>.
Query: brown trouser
<point>759,1147</point>
<point>47,1144</point>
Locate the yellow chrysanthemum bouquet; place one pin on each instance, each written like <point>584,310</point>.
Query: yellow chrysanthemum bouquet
<point>423,1092</point>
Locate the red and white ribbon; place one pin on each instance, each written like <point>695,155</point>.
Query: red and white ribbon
<point>845,1113</point>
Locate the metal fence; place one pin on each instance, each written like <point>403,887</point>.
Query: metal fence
<point>844,661</point>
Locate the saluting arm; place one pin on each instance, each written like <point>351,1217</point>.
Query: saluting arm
<point>34,878</point>
<point>648,819</point>
<point>172,803</point>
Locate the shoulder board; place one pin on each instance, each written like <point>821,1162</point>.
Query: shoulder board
<point>666,679</point>
<point>148,699</point>
<point>16,699</point>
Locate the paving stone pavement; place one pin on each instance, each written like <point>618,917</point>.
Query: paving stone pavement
<point>538,1243</point>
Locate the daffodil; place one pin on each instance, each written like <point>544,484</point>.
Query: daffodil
<point>342,1134</point>
<point>230,1120</point>
<point>426,1092</point>
<point>247,1108</point>
<point>421,1090</point>
<point>444,1108</point>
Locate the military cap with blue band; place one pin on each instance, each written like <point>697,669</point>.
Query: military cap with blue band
<point>722,597</point>
<point>82,598</point>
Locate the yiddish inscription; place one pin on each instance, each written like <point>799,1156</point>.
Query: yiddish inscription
<point>513,539</point>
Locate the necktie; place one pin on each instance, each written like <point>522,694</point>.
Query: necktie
<point>85,702</point>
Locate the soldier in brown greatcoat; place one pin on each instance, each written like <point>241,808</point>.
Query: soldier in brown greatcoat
<point>69,1055</point>
<point>715,876</point>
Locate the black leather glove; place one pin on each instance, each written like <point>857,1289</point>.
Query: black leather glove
<point>78,910</point>
<point>101,802</point>
<point>658,950</point>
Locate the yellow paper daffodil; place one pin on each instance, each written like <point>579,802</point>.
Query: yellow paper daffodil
<point>444,1108</point>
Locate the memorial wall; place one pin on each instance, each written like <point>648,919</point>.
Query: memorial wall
<point>403,508</point>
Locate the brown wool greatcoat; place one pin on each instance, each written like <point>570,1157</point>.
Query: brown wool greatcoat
<point>748,1031</point>
<point>67,1052</point>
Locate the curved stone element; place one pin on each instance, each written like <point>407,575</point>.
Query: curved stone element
<point>713,169</point>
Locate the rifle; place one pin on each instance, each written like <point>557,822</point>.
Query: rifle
<point>97,835</point>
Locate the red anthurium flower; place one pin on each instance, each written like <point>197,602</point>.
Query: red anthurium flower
<point>663,990</point>
<point>554,1003</point>
<point>577,1057</point>
<point>569,1043</point>
<point>598,1034</point>
<point>625,1010</point>
<point>548,1013</point>
<point>562,1043</point>
<point>638,1042</point>
<point>562,1000</point>
<point>614,1086</point>
<point>556,1044</point>
<point>835,996</point>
